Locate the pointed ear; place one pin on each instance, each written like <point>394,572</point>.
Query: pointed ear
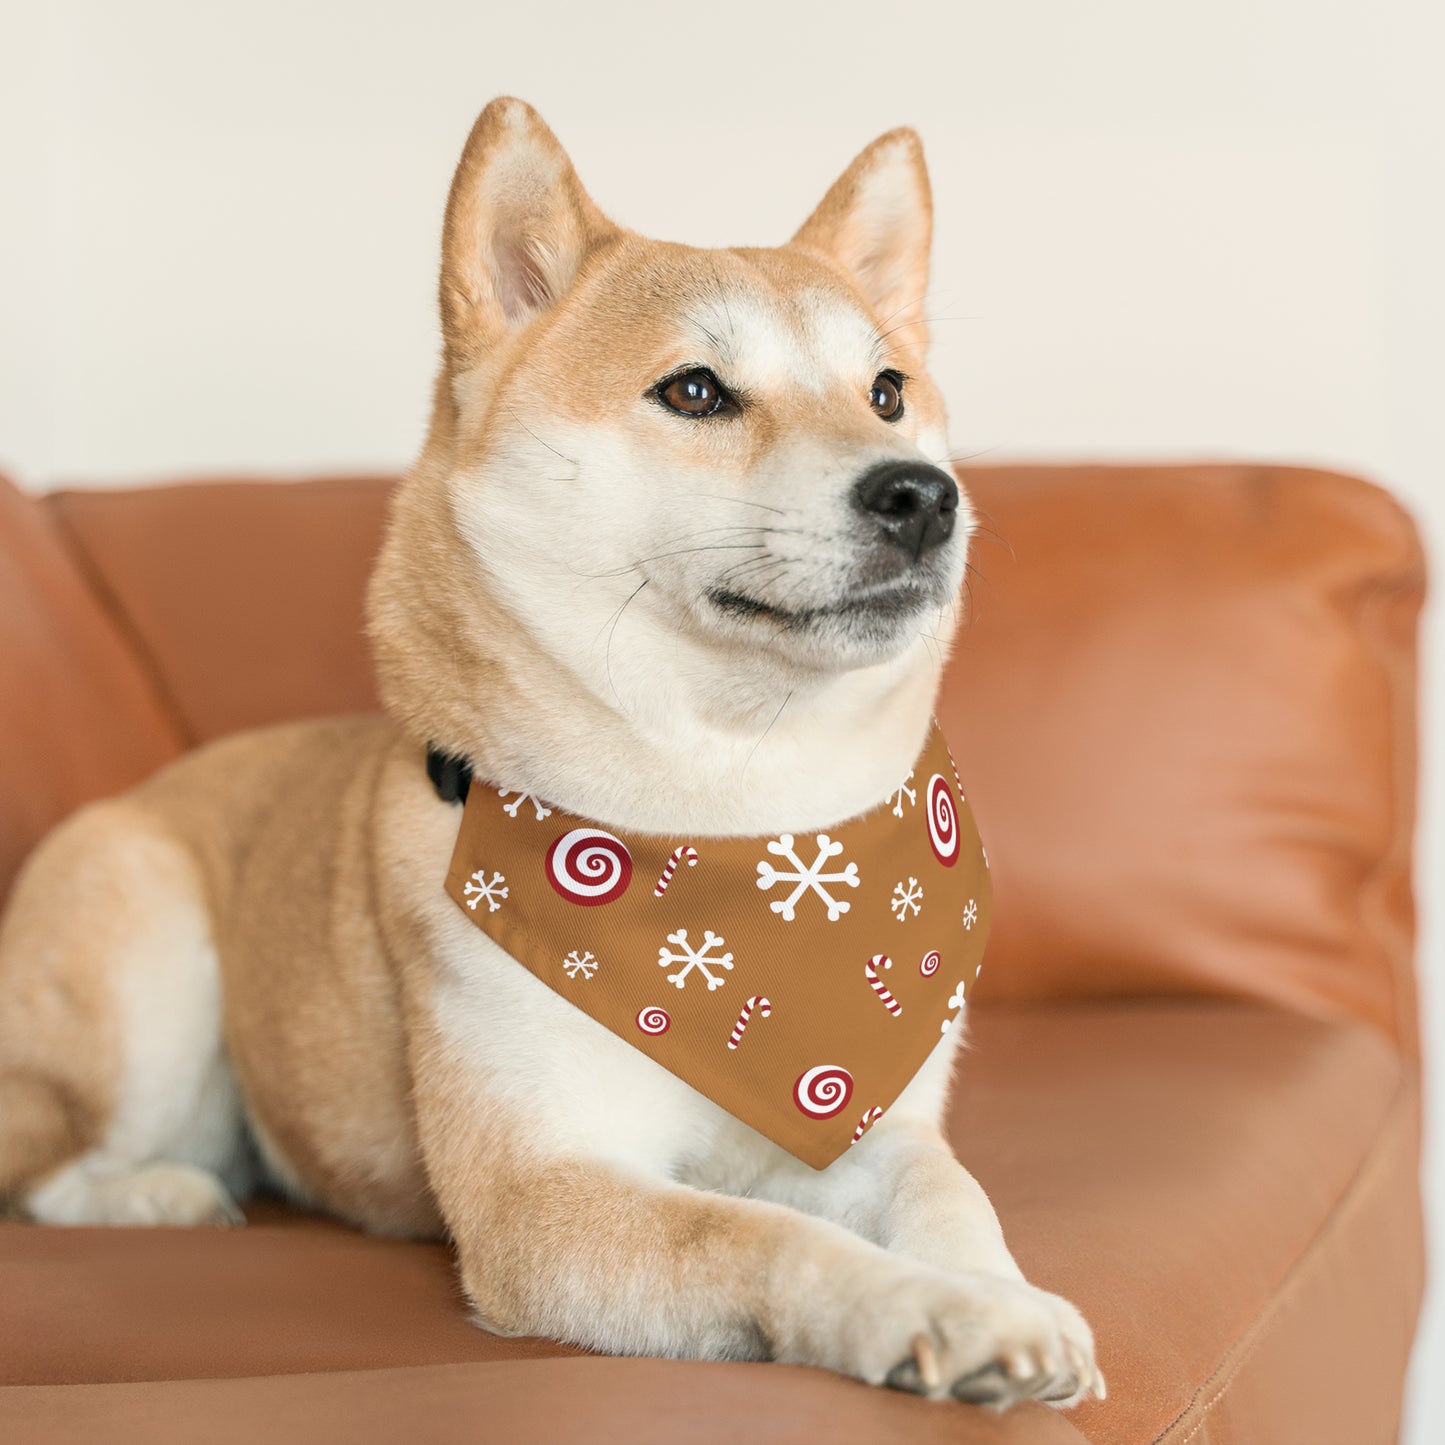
<point>518,227</point>
<point>877,223</point>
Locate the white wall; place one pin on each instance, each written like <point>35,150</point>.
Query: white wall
<point>1164,229</point>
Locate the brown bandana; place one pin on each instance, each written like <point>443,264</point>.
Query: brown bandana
<point>798,981</point>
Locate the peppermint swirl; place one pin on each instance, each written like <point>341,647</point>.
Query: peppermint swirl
<point>823,1091</point>
<point>589,867</point>
<point>654,1021</point>
<point>942,821</point>
<point>931,961</point>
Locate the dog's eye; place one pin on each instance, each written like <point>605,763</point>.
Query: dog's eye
<point>886,397</point>
<point>694,393</point>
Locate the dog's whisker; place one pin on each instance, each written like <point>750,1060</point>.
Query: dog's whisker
<point>612,633</point>
<point>737,568</point>
<point>766,731</point>
<point>748,502</point>
<point>658,556</point>
<point>692,551</point>
<point>958,458</point>
<point>883,336</point>
<point>991,530</point>
<point>969,573</point>
<point>724,546</point>
<point>571,461</point>
<point>924,321</point>
<point>762,578</point>
<point>907,305</point>
<point>928,318</point>
<point>803,581</point>
<point>757,583</point>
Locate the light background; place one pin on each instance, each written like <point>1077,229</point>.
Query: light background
<point>1164,230</point>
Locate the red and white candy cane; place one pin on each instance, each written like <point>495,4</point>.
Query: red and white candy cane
<point>757,1001</point>
<point>678,854</point>
<point>870,970</point>
<point>873,1114</point>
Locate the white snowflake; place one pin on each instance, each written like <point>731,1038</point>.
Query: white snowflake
<point>808,876</point>
<point>695,958</point>
<point>477,888</point>
<point>907,898</point>
<point>578,962</point>
<point>511,808</point>
<point>955,1002</point>
<point>900,792</point>
<point>970,915</point>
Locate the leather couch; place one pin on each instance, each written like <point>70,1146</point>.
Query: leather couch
<point>1185,711</point>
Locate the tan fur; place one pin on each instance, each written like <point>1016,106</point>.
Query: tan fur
<point>890,269</point>
<point>260,932</point>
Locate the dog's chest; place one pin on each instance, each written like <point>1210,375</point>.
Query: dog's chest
<point>797,982</point>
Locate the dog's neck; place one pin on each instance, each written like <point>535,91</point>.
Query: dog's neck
<point>694,750</point>
<point>656,732</point>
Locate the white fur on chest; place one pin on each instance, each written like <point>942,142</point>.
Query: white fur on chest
<point>588,1094</point>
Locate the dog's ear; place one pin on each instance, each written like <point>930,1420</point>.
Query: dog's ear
<point>518,226</point>
<point>877,223</point>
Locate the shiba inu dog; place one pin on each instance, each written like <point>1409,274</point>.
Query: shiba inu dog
<point>677,554</point>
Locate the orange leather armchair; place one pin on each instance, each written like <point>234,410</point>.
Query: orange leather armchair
<point>1184,708</point>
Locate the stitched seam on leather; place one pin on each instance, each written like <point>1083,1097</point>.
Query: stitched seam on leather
<point>1299,1272</point>
<point>1404,579</point>
<point>1401,680</point>
<point>124,623</point>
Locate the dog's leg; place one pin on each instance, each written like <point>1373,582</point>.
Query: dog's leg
<point>900,1185</point>
<point>608,1257</point>
<point>116,1104</point>
<point>901,1188</point>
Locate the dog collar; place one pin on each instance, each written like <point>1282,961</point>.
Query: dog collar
<point>450,775</point>
<point>797,980</point>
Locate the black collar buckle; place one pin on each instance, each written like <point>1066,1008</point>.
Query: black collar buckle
<point>450,775</point>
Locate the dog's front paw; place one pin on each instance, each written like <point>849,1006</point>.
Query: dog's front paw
<point>979,1338</point>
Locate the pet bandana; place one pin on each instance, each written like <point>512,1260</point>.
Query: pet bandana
<point>799,981</point>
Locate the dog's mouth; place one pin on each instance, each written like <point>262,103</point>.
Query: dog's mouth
<point>888,603</point>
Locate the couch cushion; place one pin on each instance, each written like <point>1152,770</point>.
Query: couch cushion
<point>1184,709</point>
<point>79,715</point>
<point>1227,1192</point>
<point>247,595</point>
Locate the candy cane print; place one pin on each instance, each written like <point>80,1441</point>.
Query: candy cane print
<point>874,1113</point>
<point>870,970</point>
<point>757,1001</point>
<point>678,854</point>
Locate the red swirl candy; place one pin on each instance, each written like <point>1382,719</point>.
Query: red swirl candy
<point>654,1021</point>
<point>942,821</point>
<point>823,1091</point>
<point>589,867</point>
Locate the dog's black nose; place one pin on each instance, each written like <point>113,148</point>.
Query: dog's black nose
<point>913,503</point>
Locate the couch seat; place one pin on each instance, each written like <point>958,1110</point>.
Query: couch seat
<point>1219,1187</point>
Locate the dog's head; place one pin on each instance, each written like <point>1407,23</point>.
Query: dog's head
<point>733,452</point>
